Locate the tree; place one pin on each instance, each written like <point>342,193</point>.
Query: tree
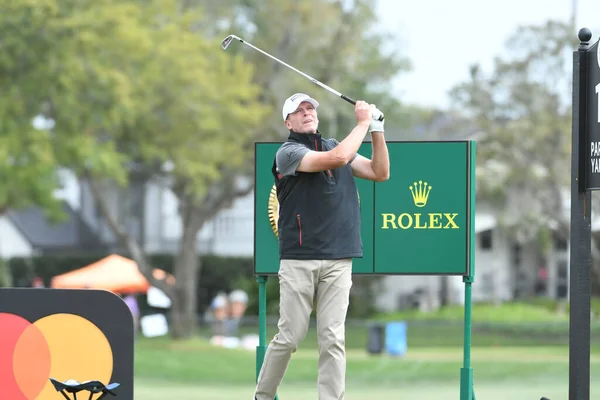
<point>27,162</point>
<point>130,85</point>
<point>298,42</point>
<point>223,187</point>
<point>344,54</point>
<point>196,121</point>
<point>143,88</point>
<point>522,111</point>
<point>27,166</point>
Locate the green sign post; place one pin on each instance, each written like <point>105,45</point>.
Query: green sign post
<point>419,222</point>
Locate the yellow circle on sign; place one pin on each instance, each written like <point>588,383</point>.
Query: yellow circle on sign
<point>274,210</point>
<point>78,350</point>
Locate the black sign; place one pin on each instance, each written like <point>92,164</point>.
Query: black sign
<point>63,334</point>
<point>592,116</point>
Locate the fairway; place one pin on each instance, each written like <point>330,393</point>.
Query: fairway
<point>501,390</point>
<point>194,370</point>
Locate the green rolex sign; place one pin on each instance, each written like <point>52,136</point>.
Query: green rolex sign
<point>418,222</point>
<point>421,212</point>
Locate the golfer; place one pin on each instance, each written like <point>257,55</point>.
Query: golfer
<point>319,235</point>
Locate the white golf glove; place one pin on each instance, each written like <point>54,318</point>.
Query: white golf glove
<point>376,125</point>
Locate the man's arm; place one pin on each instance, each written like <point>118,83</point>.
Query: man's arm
<point>378,168</point>
<point>342,154</point>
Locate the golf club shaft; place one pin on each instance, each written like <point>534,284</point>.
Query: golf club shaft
<point>324,86</point>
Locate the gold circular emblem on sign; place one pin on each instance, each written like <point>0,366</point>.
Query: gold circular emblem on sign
<point>274,210</point>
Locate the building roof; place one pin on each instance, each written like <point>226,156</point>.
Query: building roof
<point>72,233</point>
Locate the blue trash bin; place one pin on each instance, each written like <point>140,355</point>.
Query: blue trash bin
<point>395,338</point>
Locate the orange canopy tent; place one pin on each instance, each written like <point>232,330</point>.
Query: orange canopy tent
<point>115,273</point>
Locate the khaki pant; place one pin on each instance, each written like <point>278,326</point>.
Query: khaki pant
<point>302,282</point>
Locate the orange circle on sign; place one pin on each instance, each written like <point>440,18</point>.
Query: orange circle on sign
<point>31,376</point>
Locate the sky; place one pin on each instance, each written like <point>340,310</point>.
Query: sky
<point>442,38</point>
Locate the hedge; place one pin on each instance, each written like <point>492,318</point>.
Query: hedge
<point>216,274</point>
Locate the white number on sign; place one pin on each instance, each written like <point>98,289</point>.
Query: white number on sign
<point>598,93</point>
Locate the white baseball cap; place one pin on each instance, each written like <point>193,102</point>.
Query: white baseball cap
<point>239,296</point>
<point>292,103</point>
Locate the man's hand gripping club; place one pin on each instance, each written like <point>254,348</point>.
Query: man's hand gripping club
<point>369,113</point>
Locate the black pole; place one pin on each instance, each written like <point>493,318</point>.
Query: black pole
<point>581,234</point>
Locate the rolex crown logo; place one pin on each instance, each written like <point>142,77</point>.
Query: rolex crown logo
<point>420,193</point>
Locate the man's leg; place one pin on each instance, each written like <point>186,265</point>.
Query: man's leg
<point>333,296</point>
<point>297,282</point>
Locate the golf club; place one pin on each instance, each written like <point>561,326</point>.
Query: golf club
<point>227,41</point>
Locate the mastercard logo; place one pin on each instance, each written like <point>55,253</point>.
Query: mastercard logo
<point>62,346</point>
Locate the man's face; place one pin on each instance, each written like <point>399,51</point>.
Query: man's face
<point>304,119</point>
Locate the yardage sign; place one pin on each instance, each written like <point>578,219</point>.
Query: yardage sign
<point>419,222</point>
<point>592,120</point>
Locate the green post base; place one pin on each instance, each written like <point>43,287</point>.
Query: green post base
<point>467,392</point>
<point>261,349</point>
<point>260,356</point>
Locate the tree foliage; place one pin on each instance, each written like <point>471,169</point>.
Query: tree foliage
<point>143,89</point>
<point>125,84</point>
<point>349,53</point>
<point>523,115</point>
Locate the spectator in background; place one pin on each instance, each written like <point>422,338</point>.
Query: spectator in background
<point>541,281</point>
<point>134,307</point>
<point>220,311</point>
<point>37,282</point>
<point>238,303</point>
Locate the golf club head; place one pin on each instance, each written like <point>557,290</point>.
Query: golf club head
<point>227,41</point>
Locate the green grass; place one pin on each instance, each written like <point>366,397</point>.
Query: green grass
<point>519,351</point>
<point>196,361</point>
<point>484,312</point>
<point>536,310</point>
<point>426,333</point>
<point>194,369</point>
<point>509,324</point>
<point>153,390</point>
